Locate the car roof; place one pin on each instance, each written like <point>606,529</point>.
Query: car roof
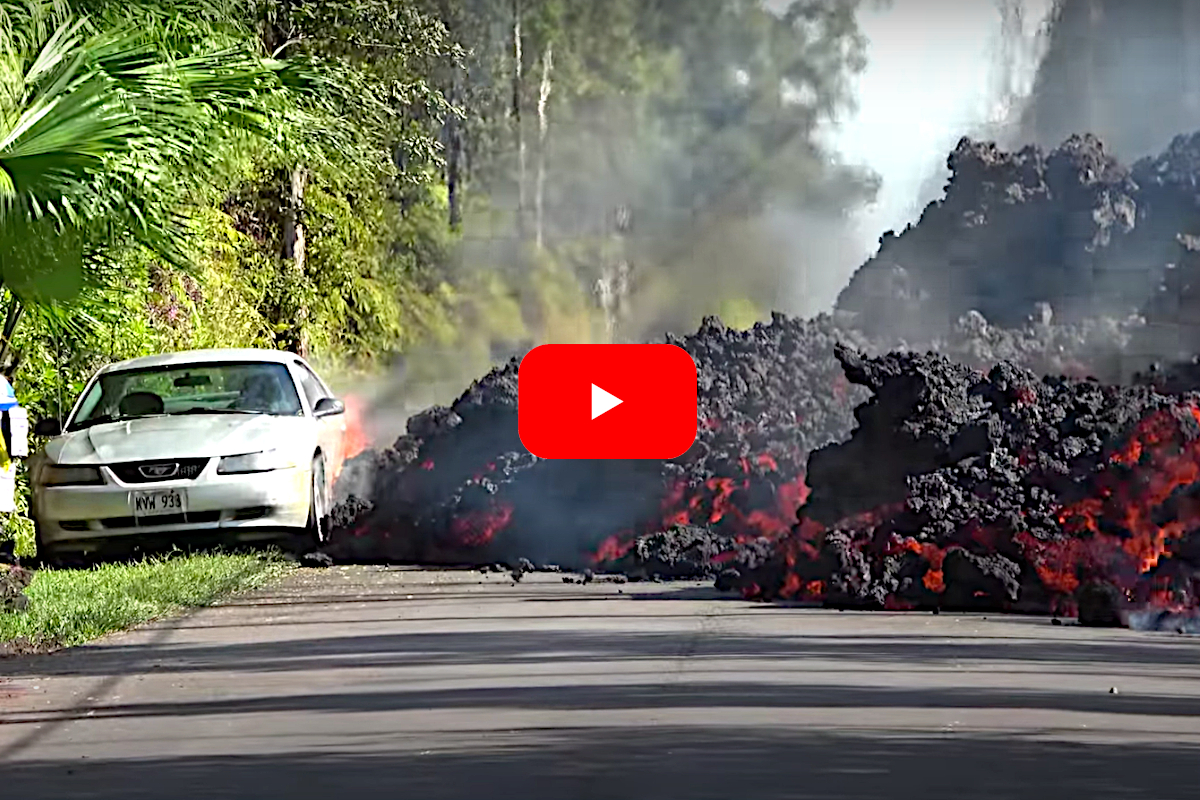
<point>203,357</point>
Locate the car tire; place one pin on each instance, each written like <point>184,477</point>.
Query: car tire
<point>316,532</point>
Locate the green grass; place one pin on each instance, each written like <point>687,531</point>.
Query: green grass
<point>72,606</point>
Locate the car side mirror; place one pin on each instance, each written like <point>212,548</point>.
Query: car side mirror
<point>48,427</point>
<point>328,407</point>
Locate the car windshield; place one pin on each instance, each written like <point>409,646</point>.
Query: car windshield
<point>207,388</point>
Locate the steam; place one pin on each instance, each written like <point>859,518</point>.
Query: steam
<point>1129,72</point>
<point>935,72</point>
<point>706,188</point>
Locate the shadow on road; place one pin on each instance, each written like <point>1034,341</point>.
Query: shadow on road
<point>710,763</point>
<point>719,695</point>
<point>475,700</point>
<point>427,649</point>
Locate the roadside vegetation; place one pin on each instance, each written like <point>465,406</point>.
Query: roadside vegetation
<point>436,183</point>
<point>71,606</point>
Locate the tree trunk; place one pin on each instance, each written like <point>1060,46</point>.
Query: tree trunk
<point>292,255</point>
<point>518,130</point>
<point>454,159</point>
<point>543,125</point>
<point>12,316</point>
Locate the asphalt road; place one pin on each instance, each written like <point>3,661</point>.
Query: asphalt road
<point>373,683</point>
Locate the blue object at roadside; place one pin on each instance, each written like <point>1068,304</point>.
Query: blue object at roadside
<point>8,398</point>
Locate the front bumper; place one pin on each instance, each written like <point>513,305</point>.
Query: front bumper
<point>245,506</point>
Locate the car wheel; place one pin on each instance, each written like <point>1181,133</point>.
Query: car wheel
<point>316,533</point>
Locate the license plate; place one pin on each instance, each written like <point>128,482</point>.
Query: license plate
<point>159,502</point>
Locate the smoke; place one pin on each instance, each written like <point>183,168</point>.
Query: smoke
<point>935,72</point>
<point>655,216</point>
<point>494,313</point>
<point>1074,227</point>
<point>1016,72</point>
<point>1129,72</point>
<point>635,196</point>
<point>628,186</point>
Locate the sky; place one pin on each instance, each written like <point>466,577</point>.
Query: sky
<point>930,78</point>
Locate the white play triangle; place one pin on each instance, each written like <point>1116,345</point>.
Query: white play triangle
<point>602,401</point>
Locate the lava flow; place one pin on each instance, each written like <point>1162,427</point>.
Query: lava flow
<point>460,487</point>
<point>833,463</point>
<point>998,491</point>
<point>757,502</point>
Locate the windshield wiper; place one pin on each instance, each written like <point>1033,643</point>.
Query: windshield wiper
<point>103,418</point>
<point>87,423</point>
<point>202,410</point>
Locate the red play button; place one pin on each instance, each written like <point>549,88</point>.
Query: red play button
<point>607,401</point>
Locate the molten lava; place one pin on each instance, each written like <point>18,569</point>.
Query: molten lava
<point>1016,515</point>
<point>355,439</point>
<point>476,529</point>
<point>1143,502</point>
<point>759,502</point>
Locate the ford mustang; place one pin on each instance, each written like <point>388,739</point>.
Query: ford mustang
<point>240,444</point>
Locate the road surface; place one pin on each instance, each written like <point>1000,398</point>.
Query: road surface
<point>391,683</point>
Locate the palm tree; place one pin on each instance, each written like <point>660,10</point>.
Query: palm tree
<point>98,130</point>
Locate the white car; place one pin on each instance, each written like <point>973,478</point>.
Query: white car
<point>241,444</point>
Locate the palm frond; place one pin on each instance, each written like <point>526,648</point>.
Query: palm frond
<point>99,132</point>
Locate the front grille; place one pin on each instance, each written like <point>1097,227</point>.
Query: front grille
<point>158,471</point>
<point>192,517</point>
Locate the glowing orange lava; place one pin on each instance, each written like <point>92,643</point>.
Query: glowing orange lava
<point>720,501</point>
<point>1157,460</point>
<point>355,440</point>
<point>473,529</point>
<point>614,547</point>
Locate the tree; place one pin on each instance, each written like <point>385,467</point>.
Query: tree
<point>98,127</point>
<point>366,115</point>
<point>668,121</point>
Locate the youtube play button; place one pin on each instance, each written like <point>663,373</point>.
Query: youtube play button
<point>607,401</point>
<point>602,401</point>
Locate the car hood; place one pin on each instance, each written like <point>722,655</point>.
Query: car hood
<point>171,437</point>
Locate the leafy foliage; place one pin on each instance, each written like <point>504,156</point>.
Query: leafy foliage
<point>283,173</point>
<point>97,129</point>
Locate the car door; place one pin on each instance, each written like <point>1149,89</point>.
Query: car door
<point>331,430</point>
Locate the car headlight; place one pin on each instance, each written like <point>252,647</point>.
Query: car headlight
<point>55,475</point>
<point>255,462</point>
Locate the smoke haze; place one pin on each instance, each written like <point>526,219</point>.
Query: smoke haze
<point>936,71</point>
<point>1014,71</point>
<point>1126,71</point>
